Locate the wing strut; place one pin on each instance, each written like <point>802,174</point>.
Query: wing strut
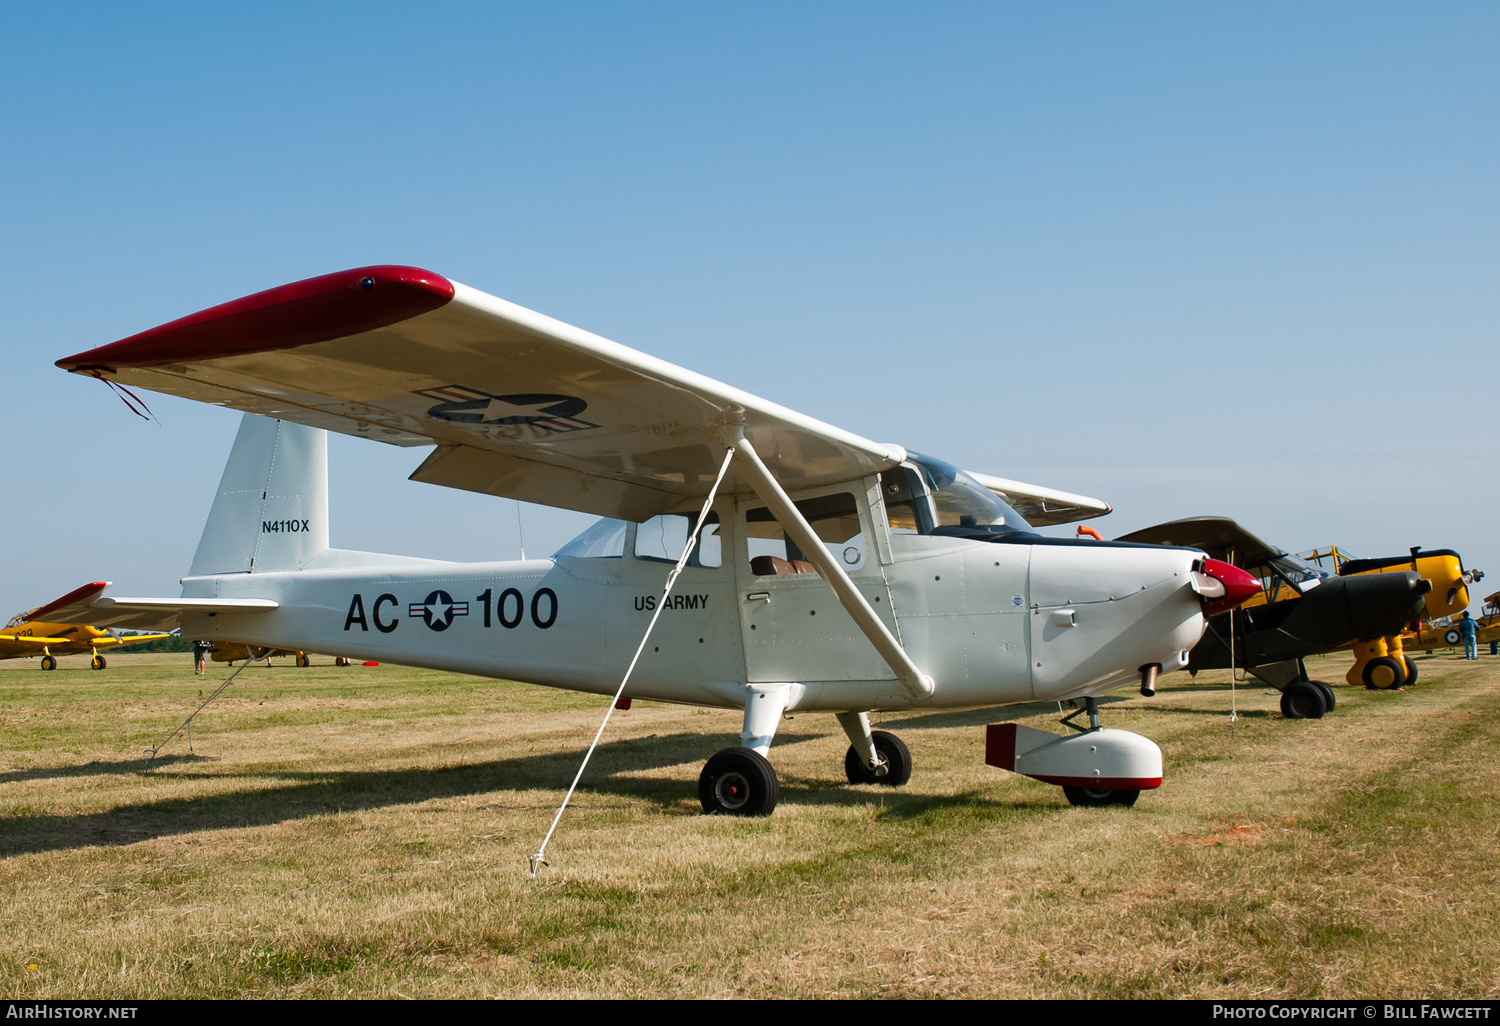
<point>916,683</point>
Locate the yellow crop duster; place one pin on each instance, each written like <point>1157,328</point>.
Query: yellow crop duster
<point>31,633</point>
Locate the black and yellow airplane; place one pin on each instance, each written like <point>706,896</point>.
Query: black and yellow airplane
<point>1303,609</point>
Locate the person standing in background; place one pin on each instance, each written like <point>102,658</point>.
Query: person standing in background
<point>200,656</point>
<point>1470,631</point>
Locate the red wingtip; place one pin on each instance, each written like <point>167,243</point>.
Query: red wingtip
<point>1238,586</point>
<point>313,310</point>
<point>73,596</point>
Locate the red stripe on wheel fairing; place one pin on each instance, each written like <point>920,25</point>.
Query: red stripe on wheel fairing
<point>1101,783</point>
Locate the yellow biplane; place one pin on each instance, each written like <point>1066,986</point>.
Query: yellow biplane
<point>30,633</point>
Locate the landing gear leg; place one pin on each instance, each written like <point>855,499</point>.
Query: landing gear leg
<point>741,781</point>
<point>1374,668</point>
<point>874,756</point>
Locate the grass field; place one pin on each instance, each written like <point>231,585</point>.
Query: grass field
<point>364,832</point>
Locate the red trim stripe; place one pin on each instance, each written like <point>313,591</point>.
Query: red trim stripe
<point>1101,783</point>
<point>1000,745</point>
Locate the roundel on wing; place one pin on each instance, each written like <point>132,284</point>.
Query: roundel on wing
<point>519,408</point>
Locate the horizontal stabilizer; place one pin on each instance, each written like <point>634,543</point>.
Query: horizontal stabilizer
<point>157,614</point>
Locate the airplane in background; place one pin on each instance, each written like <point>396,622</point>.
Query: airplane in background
<point>830,573</point>
<point>233,652</point>
<point>1383,662</point>
<point>32,633</point>
<point>1303,609</point>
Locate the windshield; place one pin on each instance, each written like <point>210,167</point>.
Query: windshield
<point>960,501</point>
<point>1299,572</point>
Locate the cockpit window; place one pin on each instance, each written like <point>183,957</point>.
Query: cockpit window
<point>960,501</point>
<point>605,539</point>
<point>1299,571</point>
<point>1295,571</point>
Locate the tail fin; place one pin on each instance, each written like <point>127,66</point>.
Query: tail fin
<point>271,512</point>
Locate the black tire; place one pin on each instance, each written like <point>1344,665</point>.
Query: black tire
<point>1329,701</point>
<point>1383,674</point>
<point>48,663</point>
<point>1092,797</point>
<point>341,661</point>
<point>897,762</point>
<point>1411,671</point>
<point>303,660</point>
<point>1302,701</point>
<point>98,662</point>
<point>738,782</point>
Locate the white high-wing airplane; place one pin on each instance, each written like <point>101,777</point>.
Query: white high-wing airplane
<point>833,573</point>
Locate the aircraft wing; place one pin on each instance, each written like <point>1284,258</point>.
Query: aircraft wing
<point>1043,507</point>
<point>1219,537</point>
<point>24,639</point>
<point>127,640</point>
<point>517,403</point>
<point>92,606</point>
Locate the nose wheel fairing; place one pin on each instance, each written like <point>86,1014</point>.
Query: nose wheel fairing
<point>1097,760</point>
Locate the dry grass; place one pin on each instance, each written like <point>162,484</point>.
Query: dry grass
<point>365,831</point>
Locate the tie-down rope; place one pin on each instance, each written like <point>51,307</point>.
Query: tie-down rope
<point>187,724</point>
<point>539,859</point>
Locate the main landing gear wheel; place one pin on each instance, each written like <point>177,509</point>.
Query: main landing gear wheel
<point>48,663</point>
<point>897,762</point>
<point>97,662</point>
<point>1411,670</point>
<point>341,661</point>
<point>1303,700</point>
<point>1094,797</point>
<point>738,782</point>
<point>1383,674</point>
<point>303,660</point>
<point>1329,702</point>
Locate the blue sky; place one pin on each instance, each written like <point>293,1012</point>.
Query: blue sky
<point>1234,259</point>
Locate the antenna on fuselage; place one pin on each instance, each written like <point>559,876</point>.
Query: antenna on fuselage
<point>519,532</point>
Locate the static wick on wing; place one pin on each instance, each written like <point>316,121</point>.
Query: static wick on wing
<point>134,403</point>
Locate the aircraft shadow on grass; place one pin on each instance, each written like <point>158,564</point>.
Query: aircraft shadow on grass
<point>302,795</point>
<point>97,768</point>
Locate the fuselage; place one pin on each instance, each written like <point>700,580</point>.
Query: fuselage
<point>991,622</point>
<point>71,638</point>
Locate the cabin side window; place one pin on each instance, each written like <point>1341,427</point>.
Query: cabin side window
<point>662,539</point>
<point>833,518</point>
